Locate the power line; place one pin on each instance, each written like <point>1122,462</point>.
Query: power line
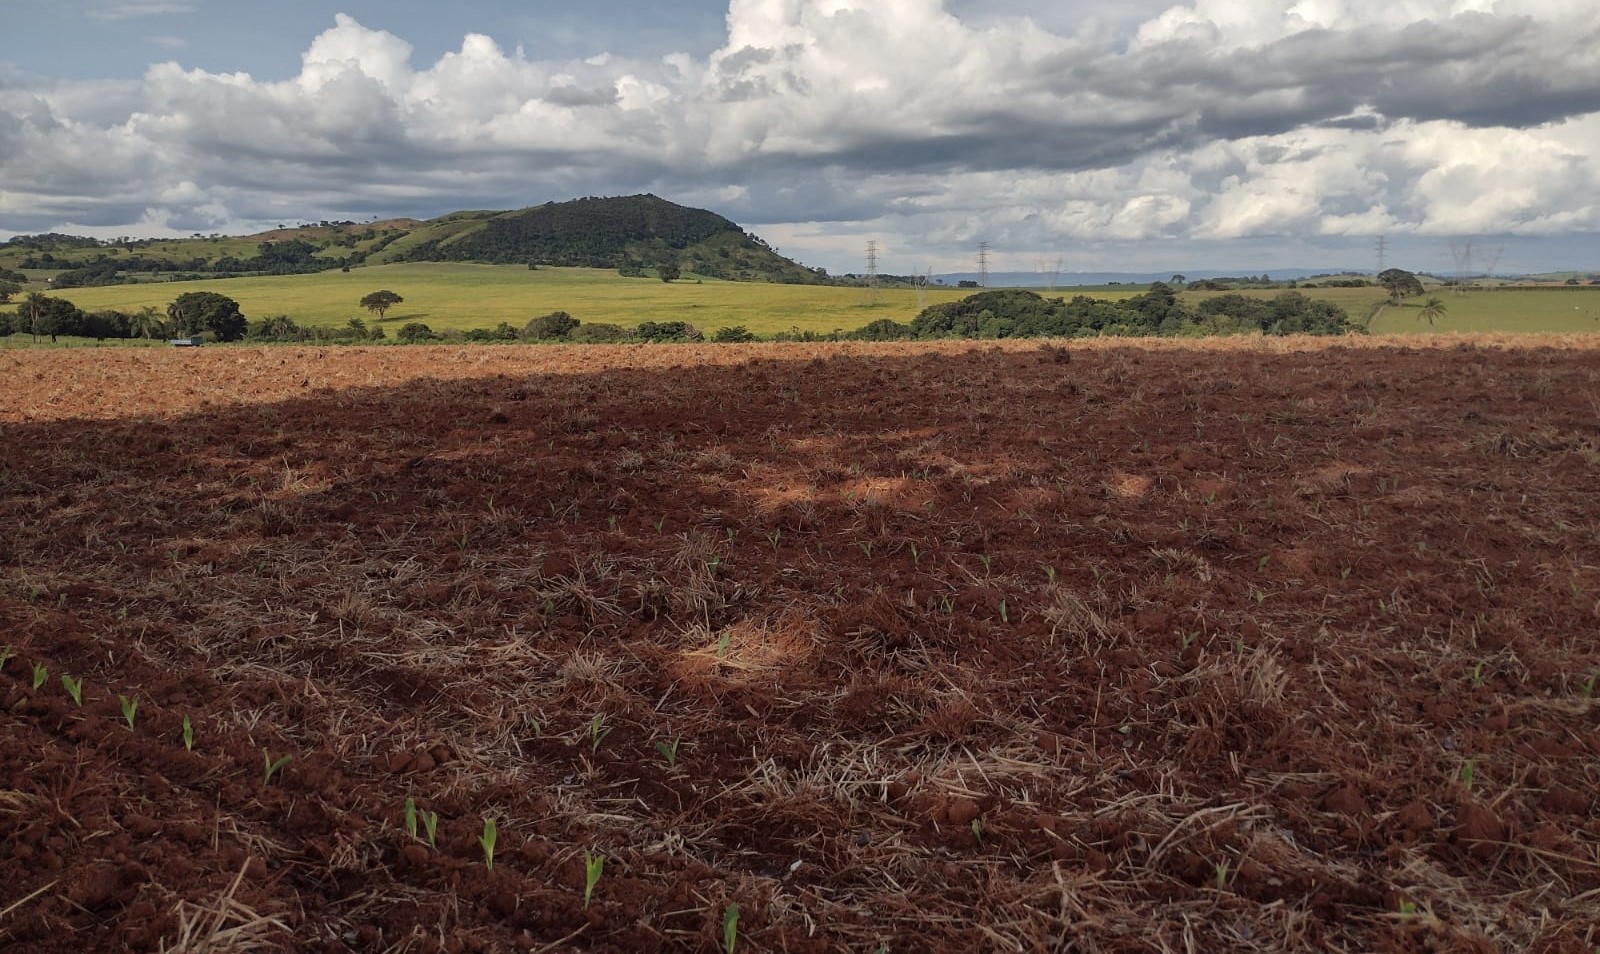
<point>983,264</point>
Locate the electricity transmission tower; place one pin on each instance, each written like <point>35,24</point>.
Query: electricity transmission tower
<point>1383,253</point>
<point>872,273</point>
<point>1494,262</point>
<point>920,279</point>
<point>1462,254</point>
<point>983,264</point>
<point>1053,273</point>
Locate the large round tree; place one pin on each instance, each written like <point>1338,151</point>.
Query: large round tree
<point>198,312</point>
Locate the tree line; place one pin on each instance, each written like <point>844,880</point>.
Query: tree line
<point>991,314</point>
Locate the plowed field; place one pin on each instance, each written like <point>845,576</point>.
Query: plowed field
<point>1243,647</point>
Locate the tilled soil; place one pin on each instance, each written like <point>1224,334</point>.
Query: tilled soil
<point>1114,647</point>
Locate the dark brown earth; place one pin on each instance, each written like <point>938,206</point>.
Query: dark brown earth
<point>1105,648</point>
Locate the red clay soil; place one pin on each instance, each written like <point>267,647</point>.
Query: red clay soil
<point>1110,648</point>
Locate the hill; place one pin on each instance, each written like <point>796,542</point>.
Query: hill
<point>639,235</point>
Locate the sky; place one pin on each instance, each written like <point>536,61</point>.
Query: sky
<point>1106,135</point>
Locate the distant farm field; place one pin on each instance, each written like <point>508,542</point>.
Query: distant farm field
<point>456,296</point>
<point>447,296</point>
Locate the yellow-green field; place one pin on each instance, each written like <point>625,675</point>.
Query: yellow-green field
<point>453,296</point>
<point>446,296</point>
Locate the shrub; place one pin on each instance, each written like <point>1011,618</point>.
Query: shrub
<point>414,332</point>
<point>735,334</point>
<point>556,326</point>
<point>598,334</point>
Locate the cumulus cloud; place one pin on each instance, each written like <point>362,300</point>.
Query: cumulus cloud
<point>939,122</point>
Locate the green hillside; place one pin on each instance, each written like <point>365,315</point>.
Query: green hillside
<point>640,235</point>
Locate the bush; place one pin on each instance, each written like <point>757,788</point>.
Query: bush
<point>668,331</point>
<point>735,334</point>
<point>601,333</point>
<point>556,326</point>
<point>414,332</point>
<point>884,329</point>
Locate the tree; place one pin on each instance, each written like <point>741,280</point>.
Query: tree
<point>669,272</point>
<point>194,313</point>
<point>1400,283</point>
<point>1432,310</point>
<point>7,289</point>
<point>1179,280</point>
<point>381,301</point>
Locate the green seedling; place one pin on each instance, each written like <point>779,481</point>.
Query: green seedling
<point>491,833</point>
<point>5,656</point>
<point>129,708</point>
<point>1188,639</point>
<point>40,674</point>
<point>1469,773</point>
<point>411,817</point>
<point>669,751</point>
<point>430,827</point>
<point>1588,685</point>
<point>774,537</point>
<point>1221,870</point>
<point>866,547</point>
<point>74,688</point>
<point>986,560</point>
<point>977,830</point>
<point>1408,909</point>
<point>1261,564</point>
<point>1477,676</point>
<point>270,767</point>
<point>722,643</point>
<point>597,733</point>
<point>1344,574</point>
<point>188,734</point>
<point>1049,572</point>
<point>593,867</point>
<point>730,928</point>
<point>1005,617</point>
<point>660,523</point>
<point>916,555</point>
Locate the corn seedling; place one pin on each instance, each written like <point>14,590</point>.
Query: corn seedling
<point>1477,676</point>
<point>188,734</point>
<point>1049,573</point>
<point>1408,909</point>
<point>593,867</point>
<point>74,688</point>
<point>916,555</point>
<point>430,827</point>
<point>270,766</point>
<point>987,561</point>
<point>1261,564</point>
<point>5,656</point>
<point>722,643</point>
<point>1588,685</point>
<point>1221,869</point>
<point>1188,639</point>
<point>491,833</point>
<point>669,751</point>
<point>40,674</point>
<point>1005,616</point>
<point>411,817</point>
<point>1469,773</point>
<point>977,830</point>
<point>597,733</point>
<point>129,708</point>
<point>730,928</point>
<point>866,547</point>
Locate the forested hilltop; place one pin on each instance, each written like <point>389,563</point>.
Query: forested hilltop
<point>641,236</point>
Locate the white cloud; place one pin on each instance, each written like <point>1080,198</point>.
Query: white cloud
<point>1213,120</point>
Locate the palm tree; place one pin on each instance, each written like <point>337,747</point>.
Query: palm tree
<point>146,322</point>
<point>1432,310</point>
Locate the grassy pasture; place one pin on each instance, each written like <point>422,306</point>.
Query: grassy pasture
<point>458,296</point>
<point>449,296</point>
